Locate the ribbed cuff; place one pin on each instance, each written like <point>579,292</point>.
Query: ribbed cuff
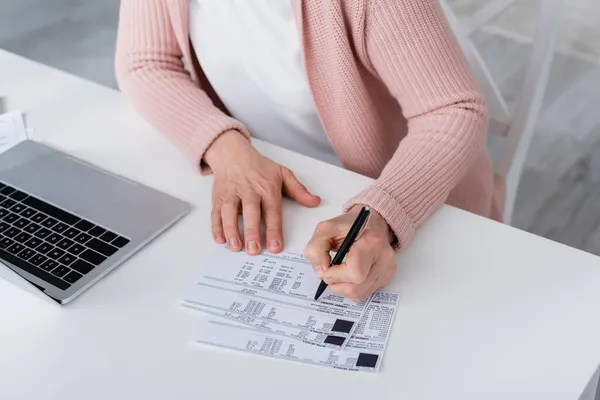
<point>392,211</point>
<point>211,129</point>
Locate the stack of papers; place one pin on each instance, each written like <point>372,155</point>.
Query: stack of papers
<point>264,305</point>
<point>12,130</point>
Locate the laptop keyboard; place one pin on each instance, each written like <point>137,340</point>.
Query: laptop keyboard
<point>50,243</point>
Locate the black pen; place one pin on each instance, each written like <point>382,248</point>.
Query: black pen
<point>361,218</point>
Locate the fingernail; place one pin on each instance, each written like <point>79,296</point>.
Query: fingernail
<point>220,239</point>
<point>273,244</point>
<point>253,247</point>
<point>234,243</point>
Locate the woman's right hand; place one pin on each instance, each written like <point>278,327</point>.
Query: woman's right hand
<point>247,182</point>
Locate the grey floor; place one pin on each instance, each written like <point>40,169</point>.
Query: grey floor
<point>559,197</point>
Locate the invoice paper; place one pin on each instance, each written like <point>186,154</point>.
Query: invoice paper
<point>364,351</point>
<point>12,130</point>
<point>274,317</point>
<point>274,293</point>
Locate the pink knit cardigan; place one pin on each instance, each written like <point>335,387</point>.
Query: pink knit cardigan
<point>393,91</point>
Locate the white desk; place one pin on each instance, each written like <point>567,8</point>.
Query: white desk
<point>488,312</point>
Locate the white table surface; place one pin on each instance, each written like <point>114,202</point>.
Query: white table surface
<point>488,312</point>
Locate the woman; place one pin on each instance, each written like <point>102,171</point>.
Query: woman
<point>379,87</point>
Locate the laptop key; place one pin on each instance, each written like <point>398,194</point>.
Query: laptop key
<point>55,253</point>
<point>49,222</point>
<point>11,217</point>
<point>92,257</point>
<point>21,223</point>
<point>33,270</point>
<point>60,271</point>
<point>17,195</point>
<point>82,238</point>
<point>84,225</point>
<point>72,277</point>
<point>28,212</point>
<point>82,266</point>
<point>5,242</point>
<point>38,218</point>
<point>11,232</point>
<point>37,259</point>
<point>51,210</point>
<point>71,233</point>
<point>64,244</point>
<point>120,242</point>
<point>4,226</point>
<point>60,227</point>
<point>15,248</point>
<point>108,236</point>
<point>44,248</point>
<point>101,247</point>
<point>26,254</point>
<point>67,259</point>
<point>8,203</point>
<point>6,190</point>
<point>4,212</point>
<point>53,238</point>
<point>49,265</point>
<point>32,228</point>
<point>76,249</point>
<point>97,231</point>
<point>22,237</point>
<point>18,208</point>
<point>33,242</point>
<point>43,233</point>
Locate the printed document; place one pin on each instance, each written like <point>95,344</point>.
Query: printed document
<point>364,351</point>
<point>274,292</point>
<point>269,299</point>
<point>12,130</point>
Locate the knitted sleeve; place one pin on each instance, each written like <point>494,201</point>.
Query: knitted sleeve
<point>151,74</point>
<point>412,50</point>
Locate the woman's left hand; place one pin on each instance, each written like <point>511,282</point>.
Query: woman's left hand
<point>369,265</point>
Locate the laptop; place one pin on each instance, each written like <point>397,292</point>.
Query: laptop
<point>65,224</point>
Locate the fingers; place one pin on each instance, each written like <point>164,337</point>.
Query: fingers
<point>295,190</point>
<point>256,201</point>
<point>229,215</point>
<point>273,222</point>
<point>355,268</point>
<point>380,275</point>
<point>355,292</point>
<point>362,273</point>
<point>224,221</point>
<point>251,212</point>
<point>318,248</point>
<point>217,224</point>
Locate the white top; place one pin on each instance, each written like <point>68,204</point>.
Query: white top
<point>487,311</point>
<point>250,52</point>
